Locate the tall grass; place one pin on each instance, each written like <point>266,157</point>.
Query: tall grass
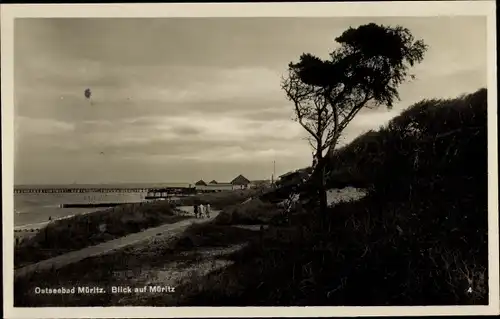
<point>253,212</point>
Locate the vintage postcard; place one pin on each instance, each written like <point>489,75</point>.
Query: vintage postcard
<point>249,159</point>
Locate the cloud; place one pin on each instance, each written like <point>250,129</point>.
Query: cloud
<point>147,91</point>
<point>206,127</point>
<point>30,126</point>
<point>195,137</point>
<point>206,85</point>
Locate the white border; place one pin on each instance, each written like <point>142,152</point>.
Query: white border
<point>394,9</point>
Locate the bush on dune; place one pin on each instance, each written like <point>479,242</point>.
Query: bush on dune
<point>418,238</point>
<point>253,212</point>
<point>430,165</point>
<point>81,231</point>
<point>438,141</point>
<point>429,168</point>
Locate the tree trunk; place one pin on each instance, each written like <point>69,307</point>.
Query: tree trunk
<point>323,204</point>
<point>321,188</point>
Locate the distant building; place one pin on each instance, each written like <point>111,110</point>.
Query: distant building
<point>241,182</point>
<point>200,183</point>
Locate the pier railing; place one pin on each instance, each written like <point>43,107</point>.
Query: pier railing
<point>78,190</point>
<point>151,192</point>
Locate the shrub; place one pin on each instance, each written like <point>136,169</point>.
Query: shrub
<point>433,145</point>
<point>253,212</point>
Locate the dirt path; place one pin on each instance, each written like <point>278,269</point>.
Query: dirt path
<point>106,247</point>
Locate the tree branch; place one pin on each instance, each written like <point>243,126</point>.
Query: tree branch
<point>354,111</point>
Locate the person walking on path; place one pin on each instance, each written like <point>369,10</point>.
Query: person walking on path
<point>196,210</point>
<point>207,210</point>
<point>202,210</point>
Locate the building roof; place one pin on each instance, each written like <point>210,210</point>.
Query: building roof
<point>213,182</point>
<point>201,183</point>
<point>240,180</point>
<point>302,171</point>
<point>288,174</point>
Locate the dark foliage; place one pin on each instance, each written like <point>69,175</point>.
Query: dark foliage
<point>436,147</point>
<point>253,212</point>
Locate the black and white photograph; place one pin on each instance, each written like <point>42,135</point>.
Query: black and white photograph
<point>157,155</point>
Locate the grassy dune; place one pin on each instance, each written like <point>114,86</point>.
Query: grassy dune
<point>253,212</point>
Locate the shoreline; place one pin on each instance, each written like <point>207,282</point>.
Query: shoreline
<point>24,232</point>
<point>61,209</point>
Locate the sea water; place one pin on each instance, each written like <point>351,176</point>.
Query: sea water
<point>33,210</point>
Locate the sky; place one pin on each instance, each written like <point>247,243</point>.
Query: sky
<point>183,99</point>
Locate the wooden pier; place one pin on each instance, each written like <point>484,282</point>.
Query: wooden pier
<point>151,192</point>
<point>78,190</point>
